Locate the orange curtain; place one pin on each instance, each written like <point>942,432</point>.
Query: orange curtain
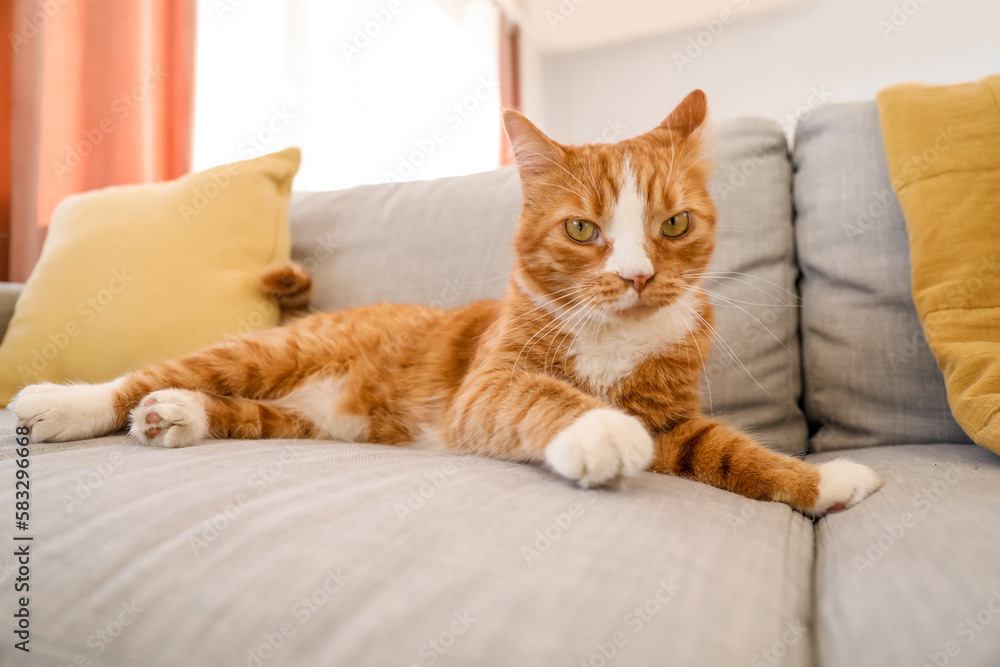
<point>6,82</point>
<point>102,94</point>
<point>510,78</point>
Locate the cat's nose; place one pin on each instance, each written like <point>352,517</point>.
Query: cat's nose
<point>638,281</point>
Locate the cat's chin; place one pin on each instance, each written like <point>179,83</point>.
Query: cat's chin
<point>637,311</point>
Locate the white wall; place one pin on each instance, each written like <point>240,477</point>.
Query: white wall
<point>769,65</point>
<point>532,80</point>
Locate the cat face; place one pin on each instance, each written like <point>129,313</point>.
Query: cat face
<point>621,228</point>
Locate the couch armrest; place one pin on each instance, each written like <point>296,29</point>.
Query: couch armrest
<point>9,293</point>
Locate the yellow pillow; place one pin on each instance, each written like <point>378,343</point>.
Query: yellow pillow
<point>136,274</point>
<point>943,147</point>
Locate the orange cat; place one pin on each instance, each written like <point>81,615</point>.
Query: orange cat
<point>590,363</point>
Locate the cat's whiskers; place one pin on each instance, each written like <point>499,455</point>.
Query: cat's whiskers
<point>483,282</point>
<point>726,350</point>
<point>545,359</point>
<point>723,350</point>
<point>597,329</point>
<point>561,187</point>
<point>556,320</point>
<point>600,325</point>
<point>568,172</point>
<point>717,276</point>
<point>730,301</point>
<point>704,366</point>
<point>751,315</point>
<point>545,363</point>
<point>543,307</point>
<point>581,324</point>
<point>560,323</point>
<point>549,305</point>
<point>722,341</point>
<point>574,303</point>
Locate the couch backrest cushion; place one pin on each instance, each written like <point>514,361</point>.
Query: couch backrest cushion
<point>448,242</point>
<point>870,378</point>
<point>445,242</point>
<point>754,374</point>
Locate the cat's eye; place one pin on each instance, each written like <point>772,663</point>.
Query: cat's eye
<point>581,231</point>
<point>676,226</point>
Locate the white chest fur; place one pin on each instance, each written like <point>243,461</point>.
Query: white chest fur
<point>318,401</point>
<point>607,355</point>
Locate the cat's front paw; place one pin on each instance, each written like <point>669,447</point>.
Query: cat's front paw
<point>169,418</point>
<point>599,446</point>
<point>63,412</point>
<point>842,485</point>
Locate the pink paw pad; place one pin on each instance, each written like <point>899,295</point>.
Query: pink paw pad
<point>152,418</point>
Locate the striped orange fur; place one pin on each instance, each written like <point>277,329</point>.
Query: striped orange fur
<point>590,363</point>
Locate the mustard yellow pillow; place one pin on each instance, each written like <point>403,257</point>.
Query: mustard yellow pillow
<point>943,148</point>
<point>136,274</point>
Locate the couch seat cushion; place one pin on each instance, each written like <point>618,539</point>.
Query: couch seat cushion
<point>907,576</point>
<point>317,553</point>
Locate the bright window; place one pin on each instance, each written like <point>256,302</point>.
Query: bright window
<point>371,91</point>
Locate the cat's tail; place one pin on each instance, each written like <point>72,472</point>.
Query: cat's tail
<point>290,287</point>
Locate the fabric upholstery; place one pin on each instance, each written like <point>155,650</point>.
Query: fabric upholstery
<point>213,549</point>
<point>943,146</point>
<point>448,242</point>
<point>135,274</point>
<point>445,242</point>
<point>869,376</point>
<point>754,376</point>
<point>899,576</point>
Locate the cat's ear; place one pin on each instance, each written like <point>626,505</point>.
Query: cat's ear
<point>689,114</point>
<point>534,152</point>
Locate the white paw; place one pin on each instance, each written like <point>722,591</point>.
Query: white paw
<point>62,412</point>
<point>599,446</point>
<point>169,418</point>
<point>842,485</point>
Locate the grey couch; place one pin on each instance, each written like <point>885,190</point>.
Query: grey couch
<point>322,553</point>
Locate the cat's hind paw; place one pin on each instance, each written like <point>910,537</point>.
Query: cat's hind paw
<point>63,412</point>
<point>842,485</point>
<point>599,446</point>
<point>169,418</point>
